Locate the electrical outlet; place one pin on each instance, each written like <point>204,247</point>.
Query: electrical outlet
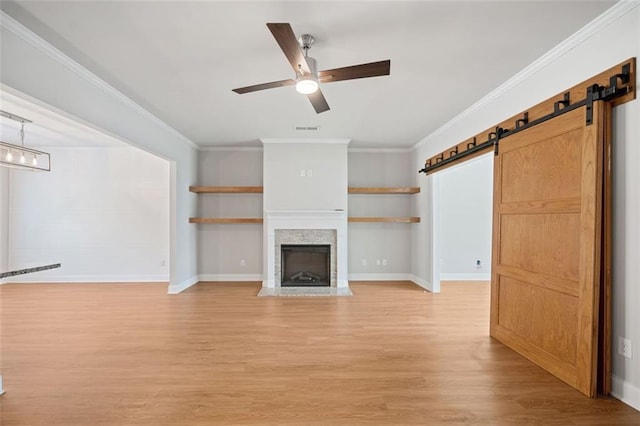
<point>384,262</point>
<point>378,262</point>
<point>242,262</point>
<point>625,348</point>
<point>478,264</point>
<point>364,262</point>
<point>309,172</point>
<point>303,173</point>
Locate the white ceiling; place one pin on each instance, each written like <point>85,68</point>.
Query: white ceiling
<point>180,59</point>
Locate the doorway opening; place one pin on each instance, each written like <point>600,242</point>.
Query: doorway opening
<point>462,199</point>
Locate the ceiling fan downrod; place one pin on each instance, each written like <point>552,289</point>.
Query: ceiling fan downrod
<point>306,41</point>
<point>307,84</point>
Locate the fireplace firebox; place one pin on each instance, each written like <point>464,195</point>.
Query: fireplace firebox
<point>305,265</point>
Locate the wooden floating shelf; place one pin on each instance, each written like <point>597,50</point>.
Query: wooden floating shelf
<point>227,220</point>
<point>259,190</point>
<point>385,219</point>
<point>226,189</point>
<point>384,190</point>
<point>233,220</point>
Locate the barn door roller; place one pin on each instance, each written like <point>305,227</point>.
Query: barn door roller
<point>619,85</point>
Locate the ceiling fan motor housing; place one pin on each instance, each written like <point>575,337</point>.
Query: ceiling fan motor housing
<point>306,41</point>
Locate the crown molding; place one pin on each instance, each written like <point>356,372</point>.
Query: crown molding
<point>45,47</point>
<point>598,24</point>
<point>301,141</point>
<point>260,149</point>
<point>380,150</point>
<point>231,149</point>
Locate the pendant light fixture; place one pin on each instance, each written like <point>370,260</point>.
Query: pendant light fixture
<point>19,156</point>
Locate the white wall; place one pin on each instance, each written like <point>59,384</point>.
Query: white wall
<point>223,248</point>
<point>615,38</point>
<point>286,189</point>
<point>370,242</point>
<point>103,213</point>
<point>465,203</point>
<point>4,220</point>
<point>30,67</point>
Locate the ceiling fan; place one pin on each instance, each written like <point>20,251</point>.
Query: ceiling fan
<point>306,68</point>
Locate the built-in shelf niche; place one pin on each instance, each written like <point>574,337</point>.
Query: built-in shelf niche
<point>259,190</point>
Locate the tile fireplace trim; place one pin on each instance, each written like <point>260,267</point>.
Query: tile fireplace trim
<point>309,220</point>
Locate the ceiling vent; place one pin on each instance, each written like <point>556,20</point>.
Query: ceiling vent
<point>308,128</point>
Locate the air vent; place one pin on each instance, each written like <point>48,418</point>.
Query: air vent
<point>308,128</point>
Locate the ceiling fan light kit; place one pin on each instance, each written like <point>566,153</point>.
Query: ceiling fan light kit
<point>308,77</point>
<point>308,83</point>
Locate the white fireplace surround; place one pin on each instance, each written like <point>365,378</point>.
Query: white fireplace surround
<point>305,223</point>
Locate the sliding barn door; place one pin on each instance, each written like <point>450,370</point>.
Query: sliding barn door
<point>546,245</point>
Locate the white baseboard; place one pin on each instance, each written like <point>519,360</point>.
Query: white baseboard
<point>393,277</point>
<point>230,277</point>
<point>379,277</point>
<point>625,392</point>
<point>465,277</point>
<point>89,279</point>
<point>177,288</point>
<point>422,283</point>
<point>342,283</point>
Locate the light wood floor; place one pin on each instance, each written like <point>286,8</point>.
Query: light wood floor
<point>216,354</point>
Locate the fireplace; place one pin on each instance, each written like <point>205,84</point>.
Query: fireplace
<point>327,228</point>
<point>305,265</point>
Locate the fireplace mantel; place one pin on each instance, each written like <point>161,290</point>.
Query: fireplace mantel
<point>309,220</point>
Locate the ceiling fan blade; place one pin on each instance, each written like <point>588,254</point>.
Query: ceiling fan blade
<point>263,86</point>
<point>318,101</point>
<point>283,33</point>
<point>372,69</point>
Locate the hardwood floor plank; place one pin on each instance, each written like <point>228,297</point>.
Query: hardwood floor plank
<point>130,354</point>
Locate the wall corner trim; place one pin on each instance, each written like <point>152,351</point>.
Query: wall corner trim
<point>182,286</point>
<point>625,391</point>
<point>422,283</point>
<point>86,279</point>
<point>12,25</point>
<point>614,12</point>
